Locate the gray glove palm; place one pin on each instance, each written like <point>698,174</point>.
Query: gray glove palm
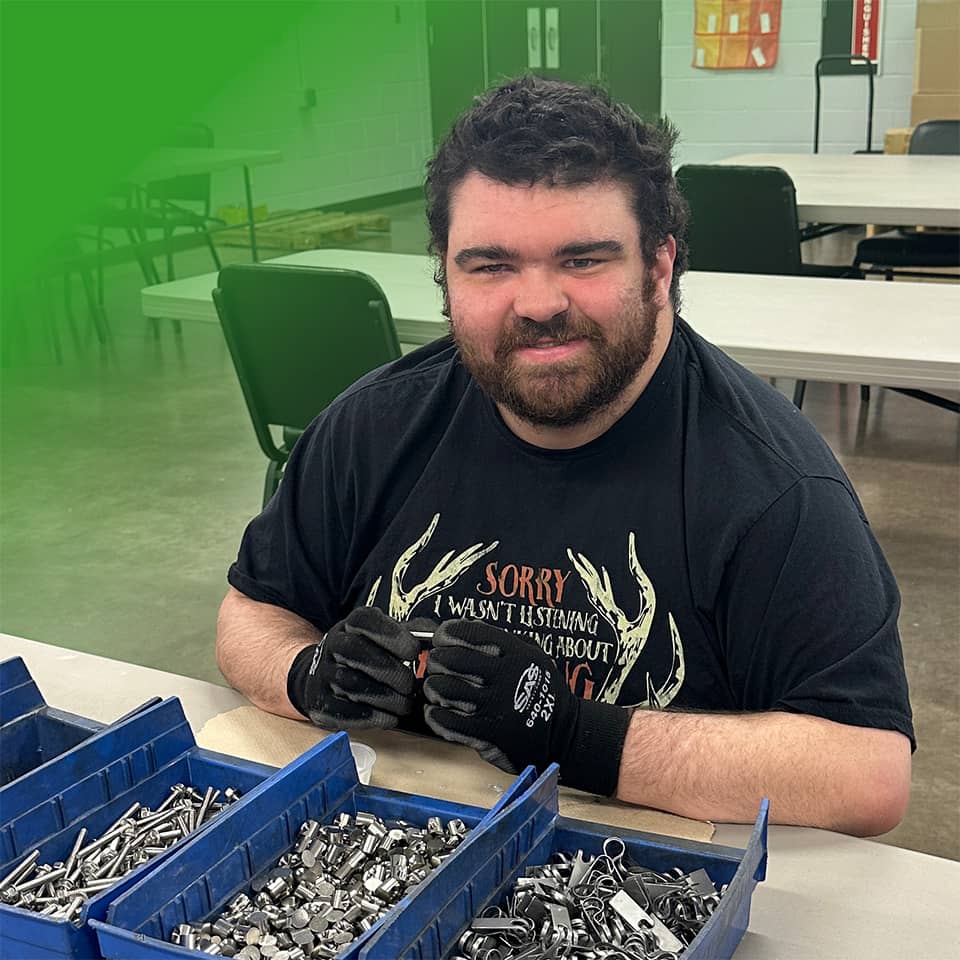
<point>360,675</point>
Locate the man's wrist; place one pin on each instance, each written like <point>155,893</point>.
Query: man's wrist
<point>298,678</point>
<point>591,758</point>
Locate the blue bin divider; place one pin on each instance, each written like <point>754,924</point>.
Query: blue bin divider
<point>31,732</point>
<point>198,881</point>
<point>19,693</point>
<point>142,759</point>
<point>485,874</point>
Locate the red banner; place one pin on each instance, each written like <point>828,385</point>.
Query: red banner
<point>866,29</point>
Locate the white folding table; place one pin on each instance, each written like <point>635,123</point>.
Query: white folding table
<point>900,334</point>
<point>868,187</point>
<point>826,895</point>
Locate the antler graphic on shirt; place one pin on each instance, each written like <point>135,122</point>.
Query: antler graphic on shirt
<point>632,635</point>
<point>657,699</point>
<point>443,575</point>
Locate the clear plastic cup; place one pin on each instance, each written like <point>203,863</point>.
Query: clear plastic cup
<point>364,757</point>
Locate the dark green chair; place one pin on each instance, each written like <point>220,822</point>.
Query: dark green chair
<point>299,336</point>
<point>744,220</point>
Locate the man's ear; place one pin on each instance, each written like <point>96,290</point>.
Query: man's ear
<point>661,272</point>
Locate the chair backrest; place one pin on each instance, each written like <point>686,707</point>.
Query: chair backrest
<point>299,336</point>
<point>936,137</point>
<point>742,219</point>
<point>194,188</point>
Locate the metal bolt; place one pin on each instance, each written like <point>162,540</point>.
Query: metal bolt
<point>44,876</point>
<point>21,871</point>
<point>60,889</point>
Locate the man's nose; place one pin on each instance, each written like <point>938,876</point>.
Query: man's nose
<point>539,296</point>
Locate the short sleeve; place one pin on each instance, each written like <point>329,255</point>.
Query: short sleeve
<point>291,555</point>
<point>809,614</point>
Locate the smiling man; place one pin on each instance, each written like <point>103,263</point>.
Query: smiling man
<point>630,555</point>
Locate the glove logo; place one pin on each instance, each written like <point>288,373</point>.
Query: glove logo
<point>526,687</point>
<point>533,694</point>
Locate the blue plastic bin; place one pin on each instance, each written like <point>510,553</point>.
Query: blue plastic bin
<point>196,883</point>
<point>484,875</point>
<point>142,759</point>
<point>31,733</point>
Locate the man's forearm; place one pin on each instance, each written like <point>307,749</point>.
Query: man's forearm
<point>815,772</point>
<point>256,644</point>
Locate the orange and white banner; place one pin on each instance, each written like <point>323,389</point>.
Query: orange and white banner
<point>736,34</point>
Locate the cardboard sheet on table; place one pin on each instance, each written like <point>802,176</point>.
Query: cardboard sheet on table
<point>423,765</point>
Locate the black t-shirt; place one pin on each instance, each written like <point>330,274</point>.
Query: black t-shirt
<point>707,552</point>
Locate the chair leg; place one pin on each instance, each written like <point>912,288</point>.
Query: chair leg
<point>100,265</point>
<point>45,303</point>
<point>68,309</point>
<point>98,315</point>
<point>272,480</point>
<point>798,391</point>
<point>864,393</point>
<point>213,250</point>
<point>167,237</point>
<point>147,267</point>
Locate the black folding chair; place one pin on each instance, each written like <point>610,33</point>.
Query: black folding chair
<point>901,252</point>
<point>743,219</point>
<point>299,336</point>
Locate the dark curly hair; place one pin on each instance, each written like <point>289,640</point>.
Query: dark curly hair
<point>530,130</point>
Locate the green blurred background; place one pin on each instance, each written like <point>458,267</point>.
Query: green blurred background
<point>89,89</point>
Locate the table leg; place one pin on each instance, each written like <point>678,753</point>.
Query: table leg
<point>253,228</point>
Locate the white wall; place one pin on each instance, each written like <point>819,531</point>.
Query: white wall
<point>724,112</point>
<point>370,130</point>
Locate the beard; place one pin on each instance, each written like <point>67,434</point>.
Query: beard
<point>568,392</point>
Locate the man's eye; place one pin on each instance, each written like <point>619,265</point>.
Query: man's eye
<point>582,263</point>
<point>491,268</point>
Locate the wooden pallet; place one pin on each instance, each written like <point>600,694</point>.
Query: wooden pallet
<point>305,230</point>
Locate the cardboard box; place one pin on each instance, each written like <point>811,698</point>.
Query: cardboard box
<point>934,106</point>
<point>897,140</point>
<point>936,61</point>
<point>943,14</point>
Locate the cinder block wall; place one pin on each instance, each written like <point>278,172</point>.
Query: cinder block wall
<point>369,132</point>
<point>724,112</point>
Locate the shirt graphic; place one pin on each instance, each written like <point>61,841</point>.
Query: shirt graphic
<point>600,648</point>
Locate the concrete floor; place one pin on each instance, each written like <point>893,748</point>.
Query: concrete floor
<point>128,474</point>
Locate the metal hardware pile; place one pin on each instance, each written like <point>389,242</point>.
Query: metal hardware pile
<point>589,909</point>
<point>336,883</point>
<point>59,890</point>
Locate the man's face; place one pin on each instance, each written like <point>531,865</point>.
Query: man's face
<point>551,305</point>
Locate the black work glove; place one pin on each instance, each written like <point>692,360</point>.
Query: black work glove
<point>506,698</point>
<point>360,675</point>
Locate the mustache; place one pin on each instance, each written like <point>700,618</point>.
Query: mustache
<point>560,329</point>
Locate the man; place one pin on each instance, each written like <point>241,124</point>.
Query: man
<point>636,558</point>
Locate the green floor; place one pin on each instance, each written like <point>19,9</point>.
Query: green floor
<point>128,474</point>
